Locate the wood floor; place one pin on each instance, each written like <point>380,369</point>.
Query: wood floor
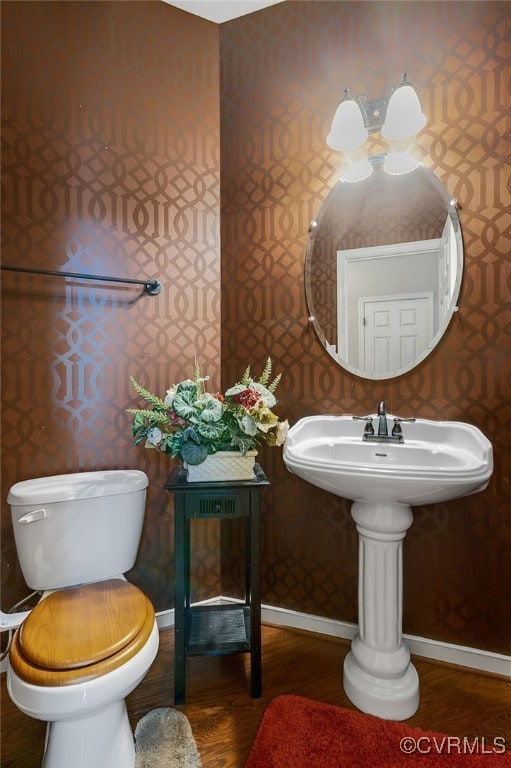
<point>224,718</point>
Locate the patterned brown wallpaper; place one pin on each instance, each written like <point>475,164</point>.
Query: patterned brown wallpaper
<point>110,166</point>
<point>283,72</point>
<point>111,163</point>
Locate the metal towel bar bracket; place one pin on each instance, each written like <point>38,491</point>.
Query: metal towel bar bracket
<point>152,287</point>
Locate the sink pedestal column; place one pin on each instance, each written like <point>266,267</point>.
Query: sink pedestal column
<point>378,676</point>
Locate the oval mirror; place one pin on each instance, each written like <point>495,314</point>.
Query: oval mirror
<point>383,270</point>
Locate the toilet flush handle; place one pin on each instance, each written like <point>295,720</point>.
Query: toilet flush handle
<point>31,517</point>
<point>10,621</point>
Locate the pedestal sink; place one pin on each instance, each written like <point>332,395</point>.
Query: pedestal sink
<point>437,461</point>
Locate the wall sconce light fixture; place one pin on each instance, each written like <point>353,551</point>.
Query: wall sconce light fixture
<point>398,116</point>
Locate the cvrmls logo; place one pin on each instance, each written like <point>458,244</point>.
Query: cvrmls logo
<point>453,745</point>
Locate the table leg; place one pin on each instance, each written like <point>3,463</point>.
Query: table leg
<point>181,543</point>
<point>253,556</point>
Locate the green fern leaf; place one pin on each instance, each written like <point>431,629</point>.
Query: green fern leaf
<point>152,399</point>
<point>245,379</point>
<point>154,417</point>
<point>273,386</point>
<point>265,376</point>
<point>196,375</point>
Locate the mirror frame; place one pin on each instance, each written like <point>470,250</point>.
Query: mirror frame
<point>451,211</point>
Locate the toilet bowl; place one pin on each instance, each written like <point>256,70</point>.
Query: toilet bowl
<point>89,641</point>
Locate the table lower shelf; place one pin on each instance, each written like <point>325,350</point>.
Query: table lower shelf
<point>217,629</point>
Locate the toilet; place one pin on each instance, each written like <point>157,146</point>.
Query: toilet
<point>93,635</point>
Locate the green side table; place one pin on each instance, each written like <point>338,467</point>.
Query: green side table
<point>216,629</point>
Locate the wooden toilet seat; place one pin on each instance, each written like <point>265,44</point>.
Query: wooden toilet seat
<point>81,633</point>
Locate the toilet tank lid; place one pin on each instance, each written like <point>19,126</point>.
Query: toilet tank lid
<point>79,485</point>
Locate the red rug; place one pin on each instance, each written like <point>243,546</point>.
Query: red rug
<point>301,733</point>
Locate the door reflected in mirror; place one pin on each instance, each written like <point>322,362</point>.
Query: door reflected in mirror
<point>383,270</point>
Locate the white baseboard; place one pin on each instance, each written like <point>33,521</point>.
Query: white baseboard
<point>464,656</point>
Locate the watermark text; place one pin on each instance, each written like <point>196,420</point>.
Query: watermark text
<point>452,745</point>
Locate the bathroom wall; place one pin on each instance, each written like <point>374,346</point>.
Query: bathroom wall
<point>111,166</point>
<point>283,72</point>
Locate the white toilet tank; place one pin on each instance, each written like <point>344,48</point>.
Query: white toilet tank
<point>77,528</point>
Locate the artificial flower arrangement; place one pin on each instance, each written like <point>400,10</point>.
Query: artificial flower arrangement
<point>191,423</point>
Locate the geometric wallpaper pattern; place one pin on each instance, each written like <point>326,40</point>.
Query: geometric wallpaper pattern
<point>113,118</point>
<point>110,166</point>
<point>283,73</point>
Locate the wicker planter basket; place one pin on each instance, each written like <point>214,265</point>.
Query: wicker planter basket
<point>223,466</point>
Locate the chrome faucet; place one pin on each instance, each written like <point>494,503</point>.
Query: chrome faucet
<point>383,428</point>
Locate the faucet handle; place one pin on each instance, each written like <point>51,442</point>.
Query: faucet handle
<point>368,429</point>
<point>396,429</point>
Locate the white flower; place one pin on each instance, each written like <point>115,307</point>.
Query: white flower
<point>281,433</point>
<point>154,436</point>
<point>169,397</point>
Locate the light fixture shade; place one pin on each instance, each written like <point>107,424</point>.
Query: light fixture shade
<point>404,114</point>
<point>398,163</point>
<point>358,171</point>
<point>348,131</point>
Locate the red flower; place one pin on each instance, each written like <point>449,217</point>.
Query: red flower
<point>176,420</point>
<point>248,398</point>
<point>219,396</point>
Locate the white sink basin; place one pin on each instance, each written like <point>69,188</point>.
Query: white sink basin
<point>438,460</point>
